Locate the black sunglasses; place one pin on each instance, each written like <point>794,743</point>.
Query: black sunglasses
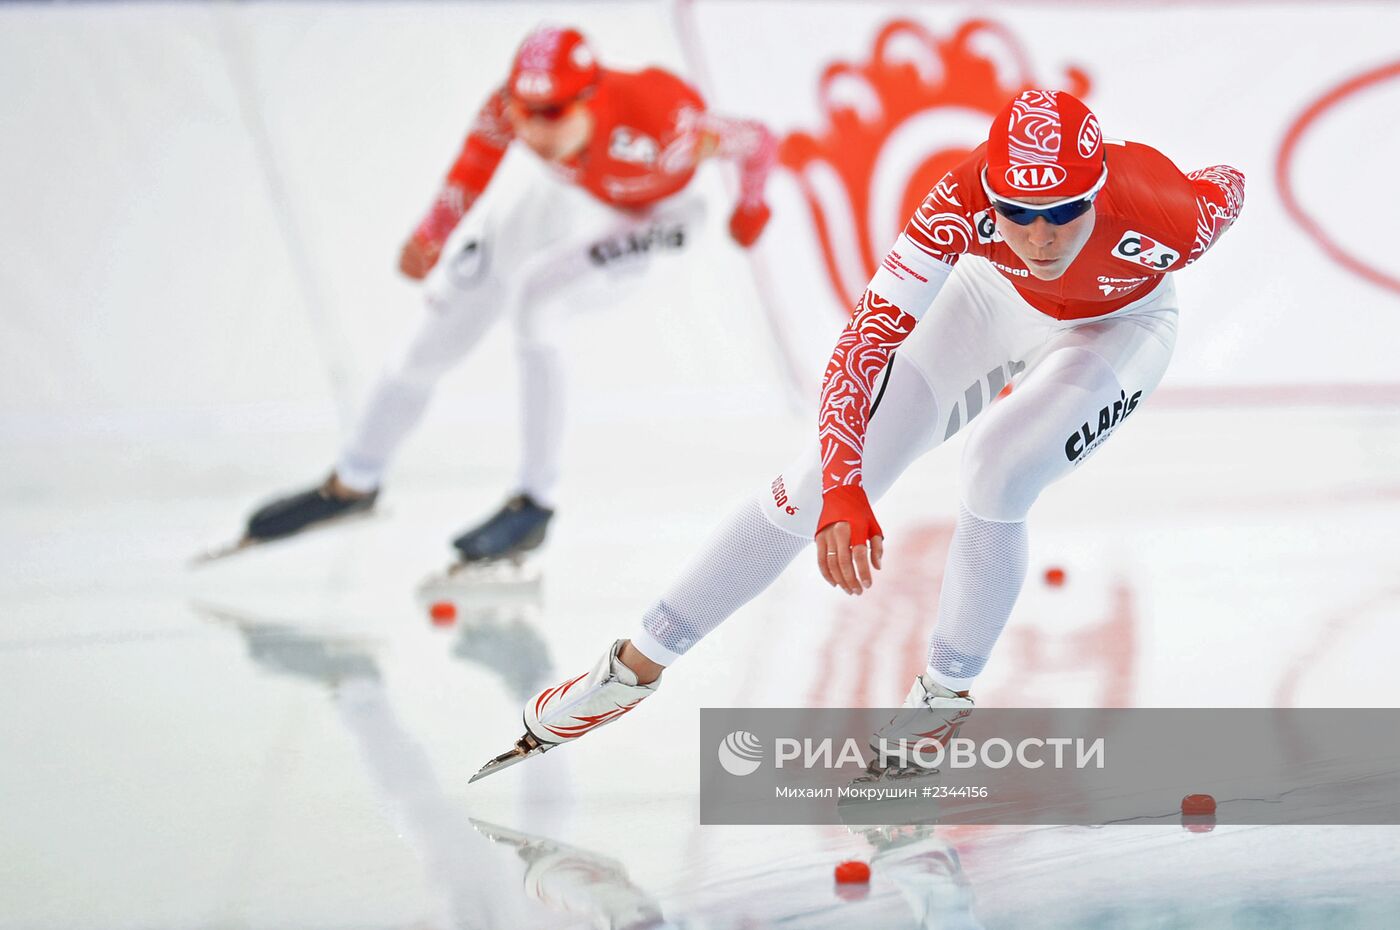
<point>1056,214</point>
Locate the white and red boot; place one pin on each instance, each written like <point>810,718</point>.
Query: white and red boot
<point>572,708</point>
<point>932,716</point>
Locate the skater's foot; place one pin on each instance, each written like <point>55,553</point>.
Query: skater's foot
<point>518,527</point>
<point>646,670</point>
<point>931,718</point>
<point>341,491</point>
<point>581,705</point>
<point>572,708</point>
<point>329,500</point>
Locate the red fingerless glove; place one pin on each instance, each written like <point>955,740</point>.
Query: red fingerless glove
<point>747,221</point>
<point>848,504</point>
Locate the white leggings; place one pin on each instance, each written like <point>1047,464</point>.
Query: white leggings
<point>1074,384</point>
<point>539,251</point>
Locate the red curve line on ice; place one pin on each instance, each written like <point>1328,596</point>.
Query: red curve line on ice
<point>1284,163</point>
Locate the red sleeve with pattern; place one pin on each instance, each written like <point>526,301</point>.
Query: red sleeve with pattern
<point>749,144</point>
<point>876,329</point>
<point>940,230</point>
<point>912,274</point>
<point>471,172</point>
<point>942,226</point>
<point>1219,199</point>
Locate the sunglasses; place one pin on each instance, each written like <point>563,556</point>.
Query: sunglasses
<point>550,113</point>
<point>1056,213</point>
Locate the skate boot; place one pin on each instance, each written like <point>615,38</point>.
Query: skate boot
<point>569,710</point>
<point>518,527</point>
<point>294,513</point>
<point>288,516</point>
<point>931,718</point>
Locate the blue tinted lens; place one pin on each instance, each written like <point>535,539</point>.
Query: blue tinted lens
<point>1055,216</point>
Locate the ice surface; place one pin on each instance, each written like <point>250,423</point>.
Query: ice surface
<point>284,738</point>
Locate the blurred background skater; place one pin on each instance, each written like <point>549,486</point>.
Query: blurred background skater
<point>609,193</point>
<point>1064,243</point>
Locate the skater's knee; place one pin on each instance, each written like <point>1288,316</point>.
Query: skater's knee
<point>539,319</point>
<point>430,356</point>
<point>533,343</point>
<point>1023,445</point>
<point>419,368</point>
<point>997,481</point>
<point>454,323</point>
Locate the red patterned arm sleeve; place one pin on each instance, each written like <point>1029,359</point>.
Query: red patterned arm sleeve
<point>750,145</point>
<point>909,279</point>
<point>875,331</point>
<point>470,173</point>
<point>1219,200</point>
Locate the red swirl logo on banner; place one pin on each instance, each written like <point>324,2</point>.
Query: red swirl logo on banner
<point>895,124</point>
<point>1283,174</point>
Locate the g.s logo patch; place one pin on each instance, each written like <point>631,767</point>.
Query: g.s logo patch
<point>631,146</point>
<point>1141,250</point>
<point>986,226</point>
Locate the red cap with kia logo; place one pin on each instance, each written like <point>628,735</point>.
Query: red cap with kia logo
<point>1045,143</point>
<point>552,67</point>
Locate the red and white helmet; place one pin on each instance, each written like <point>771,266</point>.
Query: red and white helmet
<point>552,67</point>
<point>1045,143</point>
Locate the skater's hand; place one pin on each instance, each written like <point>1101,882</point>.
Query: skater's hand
<point>849,541</point>
<point>846,566</point>
<point>418,257</point>
<point>746,222</point>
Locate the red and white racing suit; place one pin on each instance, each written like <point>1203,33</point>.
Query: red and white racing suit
<point>538,241</point>
<point>1083,351</point>
<point>1000,321</point>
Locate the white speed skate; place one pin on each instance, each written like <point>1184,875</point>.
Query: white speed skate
<point>933,715</point>
<point>905,749</point>
<point>568,710</point>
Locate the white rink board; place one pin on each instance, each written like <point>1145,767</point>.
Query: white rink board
<point>204,202</point>
<point>1204,83</point>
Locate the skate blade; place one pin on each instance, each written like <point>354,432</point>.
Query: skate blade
<point>486,582</point>
<point>218,553</point>
<point>524,748</point>
<point>223,552</point>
